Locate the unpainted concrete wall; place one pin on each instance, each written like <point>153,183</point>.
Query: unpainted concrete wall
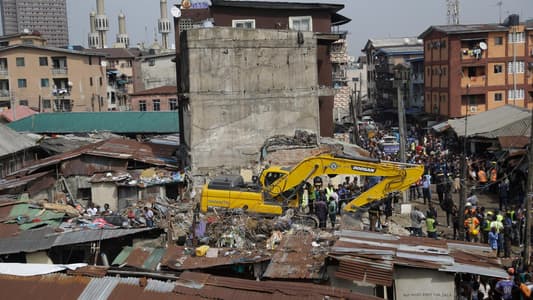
<point>245,86</point>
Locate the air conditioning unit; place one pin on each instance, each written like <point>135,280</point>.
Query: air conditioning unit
<point>473,109</point>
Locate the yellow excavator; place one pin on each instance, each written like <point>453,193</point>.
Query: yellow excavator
<point>280,188</point>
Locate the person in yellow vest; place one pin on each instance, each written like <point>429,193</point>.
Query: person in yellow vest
<point>485,226</point>
<point>498,224</point>
<point>431,225</point>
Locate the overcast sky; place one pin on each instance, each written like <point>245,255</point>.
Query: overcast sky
<point>370,18</point>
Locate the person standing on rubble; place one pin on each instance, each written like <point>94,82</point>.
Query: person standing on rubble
<point>149,216</point>
<point>321,212</point>
<point>332,211</point>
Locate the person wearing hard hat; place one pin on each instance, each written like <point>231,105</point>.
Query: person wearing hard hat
<point>472,227</point>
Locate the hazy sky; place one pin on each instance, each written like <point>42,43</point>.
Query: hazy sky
<point>370,18</point>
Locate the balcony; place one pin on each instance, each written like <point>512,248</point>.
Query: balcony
<point>474,81</point>
<point>59,71</point>
<point>4,95</point>
<point>4,72</point>
<point>339,76</point>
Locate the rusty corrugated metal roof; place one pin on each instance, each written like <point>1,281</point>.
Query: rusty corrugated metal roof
<point>371,257</point>
<point>176,258</point>
<point>189,286</point>
<point>296,258</point>
<point>235,288</point>
<point>513,142</point>
<point>123,149</point>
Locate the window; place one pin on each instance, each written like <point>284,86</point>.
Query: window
<point>443,44</point>
<point>498,97</point>
<point>498,69</point>
<point>518,66</point>
<point>101,81</point>
<point>157,104</point>
<point>45,82</point>
<point>47,104</point>
<point>23,102</point>
<point>498,40</point>
<point>173,103</point>
<point>248,24</point>
<point>43,61</point>
<point>90,81</point>
<point>517,37</point>
<point>22,83</point>
<point>301,23</point>
<point>20,61</point>
<point>142,105</point>
<point>516,94</point>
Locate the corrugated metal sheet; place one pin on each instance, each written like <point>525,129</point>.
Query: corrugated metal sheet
<point>160,286</point>
<point>122,256</point>
<point>296,258</point>
<point>51,287</point>
<point>370,257</point>
<point>121,149</point>
<point>175,258</point>
<point>55,287</point>
<point>366,270</point>
<point>116,122</point>
<point>513,142</point>
<point>12,141</point>
<point>46,238</point>
<point>507,120</point>
<point>227,287</point>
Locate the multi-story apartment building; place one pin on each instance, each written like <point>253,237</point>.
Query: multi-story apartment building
<point>382,56</point>
<point>51,79</point>
<point>163,98</point>
<point>475,68</point>
<point>119,68</point>
<point>49,17</point>
<point>319,18</point>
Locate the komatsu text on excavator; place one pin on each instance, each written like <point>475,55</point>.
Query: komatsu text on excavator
<point>279,188</point>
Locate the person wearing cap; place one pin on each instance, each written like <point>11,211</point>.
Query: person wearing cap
<point>472,226</point>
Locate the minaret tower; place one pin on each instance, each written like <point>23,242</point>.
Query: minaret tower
<point>164,25</point>
<point>94,37</point>
<point>101,23</point>
<point>122,37</point>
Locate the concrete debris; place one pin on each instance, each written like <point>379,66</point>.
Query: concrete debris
<point>301,139</point>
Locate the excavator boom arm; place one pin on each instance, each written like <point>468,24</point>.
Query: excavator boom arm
<point>395,176</point>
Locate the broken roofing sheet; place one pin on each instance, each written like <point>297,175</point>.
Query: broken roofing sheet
<point>371,257</point>
<point>298,256</point>
<point>181,258</point>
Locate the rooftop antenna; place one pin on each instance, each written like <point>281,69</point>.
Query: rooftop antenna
<point>453,12</point>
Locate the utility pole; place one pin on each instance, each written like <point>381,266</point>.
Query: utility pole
<point>355,133</point>
<point>527,242</point>
<point>462,196</point>
<point>399,78</point>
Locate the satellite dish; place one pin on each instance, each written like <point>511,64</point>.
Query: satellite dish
<point>175,12</point>
<point>483,46</point>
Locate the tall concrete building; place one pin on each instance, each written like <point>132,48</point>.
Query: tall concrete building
<point>49,17</point>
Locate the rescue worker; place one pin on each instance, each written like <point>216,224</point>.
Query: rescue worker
<point>497,223</point>
<point>472,228</point>
<point>482,179</point>
<point>431,226</point>
<point>485,225</point>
